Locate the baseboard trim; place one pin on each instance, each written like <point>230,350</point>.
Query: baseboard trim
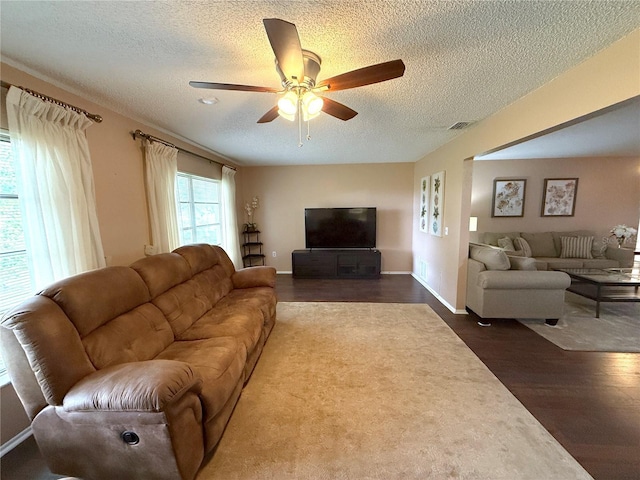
<point>289,272</point>
<point>15,441</point>
<point>451,308</point>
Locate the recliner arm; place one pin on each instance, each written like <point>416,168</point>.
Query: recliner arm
<point>138,386</point>
<point>259,276</point>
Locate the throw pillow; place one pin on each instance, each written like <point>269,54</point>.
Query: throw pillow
<point>541,244</point>
<point>506,244</point>
<point>576,247</point>
<point>493,258</point>
<point>522,263</point>
<point>491,238</point>
<point>523,245</point>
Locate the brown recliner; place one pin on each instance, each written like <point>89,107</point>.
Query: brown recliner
<point>134,371</point>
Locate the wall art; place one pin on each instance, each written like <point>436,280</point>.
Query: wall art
<point>436,210</point>
<point>425,184</point>
<point>508,198</point>
<point>559,197</point>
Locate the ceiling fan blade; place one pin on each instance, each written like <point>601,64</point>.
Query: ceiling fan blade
<point>380,72</point>
<point>337,110</point>
<point>285,43</point>
<point>270,116</point>
<point>232,86</point>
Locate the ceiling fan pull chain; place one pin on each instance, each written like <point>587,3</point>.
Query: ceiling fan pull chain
<point>299,124</point>
<point>308,130</point>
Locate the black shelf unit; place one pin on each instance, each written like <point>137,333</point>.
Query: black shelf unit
<point>252,249</point>
<point>312,263</point>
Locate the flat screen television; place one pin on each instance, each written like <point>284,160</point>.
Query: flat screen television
<point>340,227</point>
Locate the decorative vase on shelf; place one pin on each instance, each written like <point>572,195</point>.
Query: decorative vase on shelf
<point>620,241</point>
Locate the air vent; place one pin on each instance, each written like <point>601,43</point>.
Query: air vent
<point>459,125</point>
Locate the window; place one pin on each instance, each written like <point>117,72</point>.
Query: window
<point>199,211</point>
<point>15,281</point>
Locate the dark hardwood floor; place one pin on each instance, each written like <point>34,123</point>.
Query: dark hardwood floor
<point>590,402</point>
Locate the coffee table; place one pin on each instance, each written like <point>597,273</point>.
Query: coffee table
<point>605,285</point>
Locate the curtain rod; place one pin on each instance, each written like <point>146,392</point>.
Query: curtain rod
<point>141,134</point>
<point>41,96</point>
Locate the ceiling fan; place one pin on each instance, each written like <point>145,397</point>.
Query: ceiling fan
<point>298,70</point>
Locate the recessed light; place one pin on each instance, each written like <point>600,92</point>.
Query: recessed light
<point>208,100</point>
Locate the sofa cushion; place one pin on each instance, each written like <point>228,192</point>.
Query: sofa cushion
<point>236,321</point>
<point>220,364</point>
<point>523,246</point>
<point>506,243</point>
<point>597,250</point>
<point>163,271</point>
<point>183,305</point>
<point>493,258</point>
<point>523,280</point>
<point>134,336</point>
<point>576,247</point>
<point>491,238</point>
<point>200,256</point>
<point>522,263</point>
<point>93,298</point>
<point>541,244</point>
<point>555,262</point>
<point>600,263</point>
<point>262,298</point>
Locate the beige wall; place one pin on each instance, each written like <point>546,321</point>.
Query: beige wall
<point>608,193</point>
<point>284,192</point>
<point>609,77</point>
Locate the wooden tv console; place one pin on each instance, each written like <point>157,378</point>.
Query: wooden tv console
<point>319,263</point>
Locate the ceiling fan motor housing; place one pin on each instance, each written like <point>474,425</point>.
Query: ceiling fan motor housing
<point>312,64</point>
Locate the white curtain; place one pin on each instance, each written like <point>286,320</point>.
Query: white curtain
<point>161,169</point>
<point>231,242</point>
<point>55,186</point>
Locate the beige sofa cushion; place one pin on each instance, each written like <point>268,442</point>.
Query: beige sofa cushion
<point>493,258</point>
<point>522,263</point>
<point>506,243</point>
<point>597,249</point>
<point>491,238</point>
<point>523,280</point>
<point>523,246</point>
<point>576,247</point>
<point>541,244</point>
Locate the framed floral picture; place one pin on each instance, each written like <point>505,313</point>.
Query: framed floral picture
<point>508,198</point>
<point>436,210</point>
<point>559,197</point>
<point>425,184</point>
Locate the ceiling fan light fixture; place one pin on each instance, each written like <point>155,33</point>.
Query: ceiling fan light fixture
<point>287,116</point>
<point>288,104</point>
<point>311,104</point>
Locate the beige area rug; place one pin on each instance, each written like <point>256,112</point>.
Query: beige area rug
<point>617,329</point>
<point>379,391</point>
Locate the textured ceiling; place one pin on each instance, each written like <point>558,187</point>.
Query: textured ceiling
<point>465,60</point>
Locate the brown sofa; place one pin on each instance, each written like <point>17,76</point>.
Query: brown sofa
<point>133,372</point>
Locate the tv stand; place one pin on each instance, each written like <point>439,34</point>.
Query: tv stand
<point>319,263</point>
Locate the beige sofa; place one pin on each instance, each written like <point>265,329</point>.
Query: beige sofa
<point>133,372</point>
<point>500,286</point>
<point>547,249</point>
